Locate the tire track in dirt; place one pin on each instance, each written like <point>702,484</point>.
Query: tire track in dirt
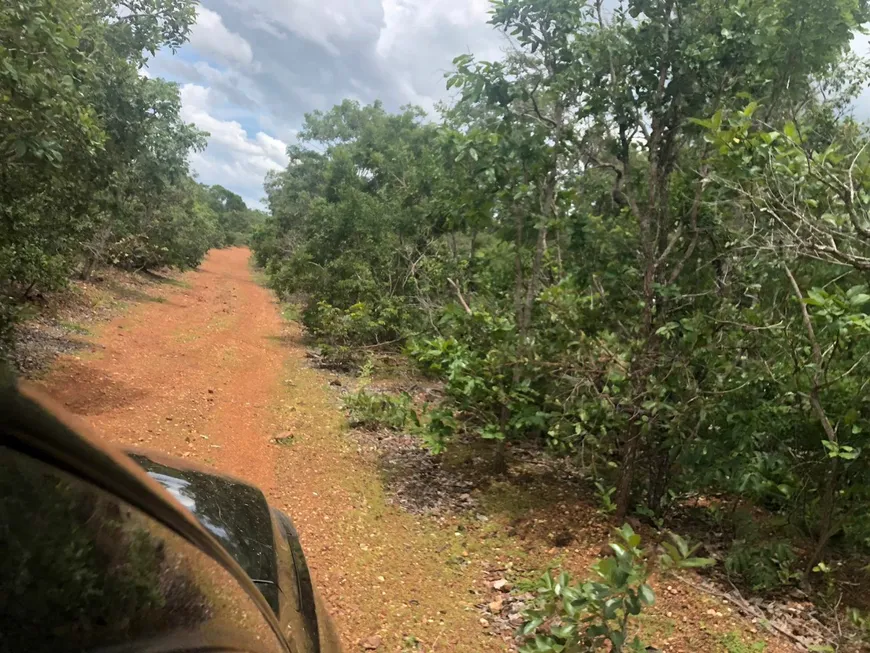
<point>210,372</point>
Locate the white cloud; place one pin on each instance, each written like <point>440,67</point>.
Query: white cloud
<point>233,158</point>
<point>420,39</point>
<point>324,22</point>
<point>861,47</point>
<point>406,20</point>
<point>211,38</point>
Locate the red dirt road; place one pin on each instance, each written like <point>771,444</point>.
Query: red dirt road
<point>209,371</point>
<point>194,373</point>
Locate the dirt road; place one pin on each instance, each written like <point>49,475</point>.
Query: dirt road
<point>209,371</point>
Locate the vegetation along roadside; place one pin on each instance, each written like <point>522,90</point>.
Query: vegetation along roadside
<point>639,241</point>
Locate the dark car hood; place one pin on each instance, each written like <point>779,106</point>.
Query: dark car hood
<point>235,513</point>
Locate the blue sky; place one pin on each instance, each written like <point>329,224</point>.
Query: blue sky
<point>253,68</point>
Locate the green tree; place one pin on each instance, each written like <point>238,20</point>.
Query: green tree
<point>90,149</point>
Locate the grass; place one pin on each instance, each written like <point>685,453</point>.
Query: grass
<point>258,274</point>
<point>291,312</point>
<point>512,500</point>
<point>230,355</point>
<point>187,337</point>
<point>76,327</point>
<point>657,626</point>
<point>733,643</point>
<point>220,322</point>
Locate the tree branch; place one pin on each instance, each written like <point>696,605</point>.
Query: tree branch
<point>459,296</point>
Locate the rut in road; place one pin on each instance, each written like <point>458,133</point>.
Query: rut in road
<point>211,373</point>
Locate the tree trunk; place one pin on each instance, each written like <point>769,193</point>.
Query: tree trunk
<point>532,285</point>
<point>499,460</point>
<point>626,473</point>
<point>826,517</point>
<point>659,478</point>
<point>88,268</point>
<point>29,290</point>
<point>828,503</point>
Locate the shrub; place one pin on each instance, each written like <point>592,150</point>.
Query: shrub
<point>763,567</point>
<point>371,410</point>
<point>598,613</point>
<point>9,311</point>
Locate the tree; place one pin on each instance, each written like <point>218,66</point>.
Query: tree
<point>235,220</point>
<point>89,146</point>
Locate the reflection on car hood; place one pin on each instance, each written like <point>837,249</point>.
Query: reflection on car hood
<point>236,513</point>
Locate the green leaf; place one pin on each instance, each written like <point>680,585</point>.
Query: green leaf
<point>618,639</point>
<point>646,594</point>
<point>706,124</point>
<point>697,562</point>
<point>532,626</point>
<point>672,551</point>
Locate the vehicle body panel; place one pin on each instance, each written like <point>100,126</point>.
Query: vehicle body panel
<point>227,520</point>
<point>235,513</point>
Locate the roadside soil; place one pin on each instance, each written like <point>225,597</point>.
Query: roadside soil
<point>211,372</point>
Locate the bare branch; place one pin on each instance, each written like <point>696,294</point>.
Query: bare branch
<point>459,296</point>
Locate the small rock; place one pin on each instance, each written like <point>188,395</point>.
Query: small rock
<point>210,391</point>
<point>515,619</point>
<point>496,606</point>
<point>502,585</point>
<point>373,643</point>
<point>484,623</point>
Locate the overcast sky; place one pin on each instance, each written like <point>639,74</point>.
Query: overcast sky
<point>253,68</point>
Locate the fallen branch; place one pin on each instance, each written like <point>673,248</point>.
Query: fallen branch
<point>459,295</point>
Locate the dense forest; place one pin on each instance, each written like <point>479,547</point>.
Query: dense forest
<point>93,152</point>
<point>641,239</point>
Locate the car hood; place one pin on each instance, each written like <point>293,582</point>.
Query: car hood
<point>235,513</point>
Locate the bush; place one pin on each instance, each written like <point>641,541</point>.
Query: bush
<point>373,410</point>
<point>9,311</point>
<point>593,615</point>
<point>763,567</point>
